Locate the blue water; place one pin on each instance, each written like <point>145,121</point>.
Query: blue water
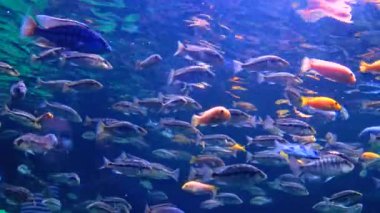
<point>137,29</point>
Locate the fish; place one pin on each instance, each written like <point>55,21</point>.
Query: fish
<point>51,53</point>
<point>261,63</point>
<point>171,154</point>
<point>163,208</point>
<point>62,111</point>
<point>106,131</point>
<point>15,194</point>
<point>128,108</point>
<point>297,150</point>
<point>175,103</point>
<point>242,119</point>
<point>213,116</point>
<point>67,33</point>
<point>148,62</point>
<point>321,103</point>
<point>209,161</point>
<point>83,85</point>
<point>326,206</point>
<point>265,141</point>
<point>54,85</point>
<point>24,118</point>
<point>246,106</point>
<point>210,204</point>
<point>290,187</point>
<point>18,90</point>
<point>369,156</point>
<point>190,74</point>
<point>345,198</point>
<point>8,69</point>
<point>371,133</point>
<point>267,158</point>
<point>373,68</point>
<point>99,206</point>
<point>217,140</point>
<point>282,78</point>
<point>36,144</point>
<point>327,166</point>
<point>199,188</point>
<point>85,60</point>
<point>260,201</point>
<point>53,204</point>
<point>228,198</point>
<point>290,126</point>
<point>330,70</point>
<point>66,178</point>
<point>199,53</point>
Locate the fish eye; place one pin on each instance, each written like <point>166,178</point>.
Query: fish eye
<point>221,111</point>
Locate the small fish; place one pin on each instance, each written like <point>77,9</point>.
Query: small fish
<point>290,126</point>
<point>238,88</point>
<point>330,70</point>
<point>345,198</point>
<point>283,78</point>
<point>106,131</point>
<point>128,108</point>
<point>99,206</point>
<point>163,208</point>
<point>66,33</point>
<point>265,140</point>
<point>170,154</point>
<point>83,85</point>
<point>211,204</point>
<point>8,69</point>
<point>85,60</point>
<point>321,103</point>
<point>52,53</point>
<point>199,53</point>
<point>213,116</point>
<point>326,206</point>
<point>262,63</point>
<point>260,201</point>
<point>62,111</point>
<point>18,90</point>
<point>246,106</point>
<point>228,198</point>
<point>15,194</point>
<point>217,140</point>
<point>24,118</point>
<point>369,156</point>
<point>199,188</point>
<point>36,144</point>
<point>192,73</point>
<point>148,62</point>
<point>282,113</point>
<point>69,179</point>
<point>297,150</point>
<point>242,119</point>
<point>206,160</point>
<point>373,68</point>
<point>267,158</point>
<point>281,101</point>
<point>55,85</point>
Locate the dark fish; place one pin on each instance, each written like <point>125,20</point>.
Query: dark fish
<point>67,33</point>
<point>148,62</point>
<point>18,90</point>
<point>238,174</point>
<point>15,194</point>
<point>346,197</point>
<point>69,178</point>
<point>34,205</point>
<point>83,85</point>
<point>128,108</point>
<point>242,119</point>
<point>265,140</point>
<point>36,144</point>
<point>290,126</point>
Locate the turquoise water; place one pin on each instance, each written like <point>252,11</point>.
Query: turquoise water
<point>237,30</point>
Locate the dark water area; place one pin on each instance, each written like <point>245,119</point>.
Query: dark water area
<point>238,30</point>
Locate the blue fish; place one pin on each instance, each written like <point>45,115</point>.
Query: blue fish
<point>66,33</point>
<point>297,150</point>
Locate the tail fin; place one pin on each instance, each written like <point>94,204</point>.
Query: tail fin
<point>363,66</point>
<point>305,65</point>
<point>260,78</point>
<point>87,121</point>
<point>100,131</point>
<point>33,57</point>
<point>28,26</point>
<point>377,182</point>
<point>237,66</point>
<point>180,49</point>
<point>175,175</point>
<point>302,101</point>
<point>106,163</point>
<point>268,123</point>
<point>171,77</point>
<point>195,120</point>
<point>138,65</point>
<point>39,82</point>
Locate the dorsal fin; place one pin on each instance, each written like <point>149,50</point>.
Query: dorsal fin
<point>47,22</point>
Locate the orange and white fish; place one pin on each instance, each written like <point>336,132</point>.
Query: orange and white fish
<point>199,188</point>
<point>213,116</point>
<point>330,70</point>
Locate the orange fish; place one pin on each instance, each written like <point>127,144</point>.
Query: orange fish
<point>213,116</point>
<point>322,103</point>
<point>199,188</point>
<point>240,88</point>
<point>371,68</point>
<point>330,70</point>
<point>301,114</point>
<point>369,156</point>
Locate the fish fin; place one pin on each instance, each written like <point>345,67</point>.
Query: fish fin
<point>363,67</point>
<point>303,101</point>
<point>377,182</point>
<point>237,66</point>
<point>363,173</point>
<point>195,120</point>
<point>171,77</point>
<point>28,27</point>
<point>100,131</point>
<point>295,166</point>
<point>285,156</point>
<point>62,61</point>
<point>175,175</point>
<point>33,57</point>
<point>329,178</point>
<point>248,157</point>
<point>326,199</point>
<point>44,104</point>
<point>305,65</point>
<point>38,82</point>
<point>373,137</point>
<point>106,163</point>
<point>87,121</point>
<point>260,78</point>
<point>66,88</point>
<point>214,192</point>
<point>268,123</point>
<point>253,121</point>
<point>50,21</point>
<point>193,159</point>
<point>138,65</point>
<point>180,49</point>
